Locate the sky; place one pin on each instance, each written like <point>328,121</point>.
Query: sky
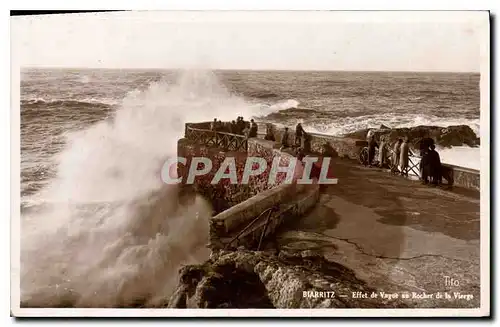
<point>363,41</point>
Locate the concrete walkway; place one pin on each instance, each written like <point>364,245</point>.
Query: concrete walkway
<point>396,234</point>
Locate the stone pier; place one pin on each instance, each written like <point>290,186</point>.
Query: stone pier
<point>372,231</point>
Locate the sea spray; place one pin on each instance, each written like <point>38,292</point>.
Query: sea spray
<point>110,233</point>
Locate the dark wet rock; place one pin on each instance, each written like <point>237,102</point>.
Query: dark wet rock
<point>250,279</point>
<point>442,136</point>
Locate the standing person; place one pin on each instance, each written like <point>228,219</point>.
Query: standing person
<point>396,152</point>
<point>233,127</point>
<point>253,129</point>
<point>425,144</point>
<point>369,135</point>
<point>434,165</point>
<point>299,132</point>
<point>213,125</point>
<point>307,142</point>
<point>382,151</point>
<point>269,133</point>
<point>284,139</point>
<point>405,157</point>
<point>425,165</point>
<point>241,125</point>
<point>372,144</point>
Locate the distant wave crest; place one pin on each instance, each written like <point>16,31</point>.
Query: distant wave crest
<point>41,102</point>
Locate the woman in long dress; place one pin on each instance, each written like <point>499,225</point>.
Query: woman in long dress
<point>395,155</point>
<point>382,152</point>
<point>404,157</point>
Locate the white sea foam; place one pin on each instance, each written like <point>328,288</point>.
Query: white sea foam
<point>351,124</point>
<point>463,156</point>
<point>110,232</point>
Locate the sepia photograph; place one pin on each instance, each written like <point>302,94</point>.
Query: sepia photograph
<point>238,163</point>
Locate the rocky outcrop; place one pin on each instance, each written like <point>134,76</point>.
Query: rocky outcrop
<point>249,279</point>
<point>443,136</point>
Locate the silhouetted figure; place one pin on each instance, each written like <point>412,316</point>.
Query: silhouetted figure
<point>284,139</point>
<point>425,166</point>
<point>241,125</point>
<point>253,129</point>
<point>219,126</point>
<point>307,142</point>
<point>213,125</point>
<point>299,132</point>
<point>269,133</point>
<point>434,165</point>
<point>372,144</point>
<point>425,144</point>
<point>233,127</point>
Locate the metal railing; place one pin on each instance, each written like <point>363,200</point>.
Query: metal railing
<point>413,165</point>
<point>413,168</point>
<point>223,140</point>
<point>269,212</point>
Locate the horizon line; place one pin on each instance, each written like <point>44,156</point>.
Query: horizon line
<point>250,69</point>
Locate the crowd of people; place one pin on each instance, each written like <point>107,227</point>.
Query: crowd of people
<point>251,129</point>
<point>301,137</point>
<point>238,126</point>
<point>430,163</point>
<point>398,154</point>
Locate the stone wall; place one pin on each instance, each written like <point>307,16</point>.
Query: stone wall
<point>329,145</point>
<point>224,195</point>
<point>245,223</point>
<point>460,176</point>
<point>237,205</point>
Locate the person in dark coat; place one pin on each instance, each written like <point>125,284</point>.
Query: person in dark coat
<point>269,133</point>
<point>233,127</point>
<point>241,125</point>
<point>307,142</point>
<point>253,129</point>
<point>434,165</point>
<point>425,144</point>
<point>284,139</point>
<point>425,168</point>
<point>299,132</point>
<point>371,150</point>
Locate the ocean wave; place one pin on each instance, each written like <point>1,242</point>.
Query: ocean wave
<point>263,109</point>
<point>41,102</point>
<point>341,124</point>
<point>262,94</point>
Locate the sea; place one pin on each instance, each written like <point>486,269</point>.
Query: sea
<point>92,140</point>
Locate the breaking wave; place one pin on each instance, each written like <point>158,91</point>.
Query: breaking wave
<point>106,231</point>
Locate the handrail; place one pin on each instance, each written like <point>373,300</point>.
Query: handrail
<point>218,132</point>
<point>265,229</point>
<point>251,224</point>
<point>225,140</point>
